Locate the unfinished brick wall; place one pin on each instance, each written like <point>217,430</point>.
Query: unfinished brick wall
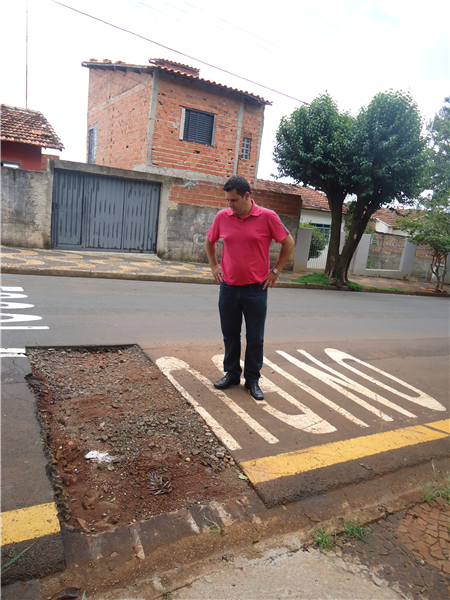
<point>192,209</point>
<point>169,151</point>
<point>251,128</point>
<point>210,194</point>
<point>119,103</point>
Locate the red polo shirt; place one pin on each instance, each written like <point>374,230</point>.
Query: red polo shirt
<point>246,243</point>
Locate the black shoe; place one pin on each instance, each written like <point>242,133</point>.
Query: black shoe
<point>254,391</point>
<point>227,382</point>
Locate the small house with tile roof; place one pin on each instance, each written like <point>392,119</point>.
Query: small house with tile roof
<point>385,220</point>
<point>24,133</point>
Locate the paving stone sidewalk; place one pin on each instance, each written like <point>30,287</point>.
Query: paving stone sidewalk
<point>410,550</point>
<point>148,267</point>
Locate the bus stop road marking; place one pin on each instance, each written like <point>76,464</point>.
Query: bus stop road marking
<point>29,523</point>
<point>293,463</point>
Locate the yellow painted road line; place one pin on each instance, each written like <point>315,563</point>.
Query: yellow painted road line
<point>29,523</point>
<point>441,425</point>
<point>327,455</point>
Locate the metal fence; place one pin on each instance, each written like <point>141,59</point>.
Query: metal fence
<point>318,258</point>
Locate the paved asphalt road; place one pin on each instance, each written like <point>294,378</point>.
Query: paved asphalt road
<point>87,311</point>
<point>405,337</point>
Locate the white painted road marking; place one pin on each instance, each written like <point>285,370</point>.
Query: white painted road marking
<point>308,421</point>
<point>167,364</point>
<point>338,385</point>
<point>317,395</point>
<point>422,399</point>
<point>175,364</point>
<point>6,319</point>
<point>12,352</point>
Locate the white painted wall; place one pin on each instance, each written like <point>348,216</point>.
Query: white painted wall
<point>384,228</point>
<point>315,216</point>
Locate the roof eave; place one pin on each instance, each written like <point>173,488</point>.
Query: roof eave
<point>152,68</point>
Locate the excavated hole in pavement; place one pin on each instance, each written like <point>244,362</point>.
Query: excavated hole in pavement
<point>115,400</point>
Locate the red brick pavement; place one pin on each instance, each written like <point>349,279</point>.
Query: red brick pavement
<point>410,551</point>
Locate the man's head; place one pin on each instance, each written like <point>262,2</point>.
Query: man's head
<point>238,183</point>
<point>237,192</point>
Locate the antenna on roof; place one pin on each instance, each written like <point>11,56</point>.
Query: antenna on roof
<point>26,61</point>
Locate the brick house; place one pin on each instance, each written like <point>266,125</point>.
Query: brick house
<point>24,133</point>
<point>191,134</point>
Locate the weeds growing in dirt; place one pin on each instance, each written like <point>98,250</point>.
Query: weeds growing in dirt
<point>323,540</point>
<point>214,527</point>
<point>357,531</point>
<point>439,488</point>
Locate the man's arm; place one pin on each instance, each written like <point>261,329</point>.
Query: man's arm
<point>211,253</point>
<point>287,245</point>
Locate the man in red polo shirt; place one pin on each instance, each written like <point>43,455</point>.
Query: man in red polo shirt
<point>244,274</point>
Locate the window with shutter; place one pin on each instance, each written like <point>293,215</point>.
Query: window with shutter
<point>198,127</point>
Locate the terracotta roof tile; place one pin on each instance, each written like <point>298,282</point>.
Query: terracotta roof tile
<point>390,215</point>
<point>27,127</point>
<point>311,199</point>
<point>182,71</point>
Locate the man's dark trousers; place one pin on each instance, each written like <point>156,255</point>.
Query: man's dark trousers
<point>251,302</point>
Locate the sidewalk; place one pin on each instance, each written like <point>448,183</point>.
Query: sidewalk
<point>148,267</point>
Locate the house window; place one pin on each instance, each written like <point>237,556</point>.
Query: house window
<point>10,164</point>
<point>197,126</point>
<point>323,228</point>
<point>92,144</point>
<point>246,144</point>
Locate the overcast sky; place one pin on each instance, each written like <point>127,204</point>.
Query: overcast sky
<point>301,48</point>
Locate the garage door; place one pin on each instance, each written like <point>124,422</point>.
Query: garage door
<point>104,213</point>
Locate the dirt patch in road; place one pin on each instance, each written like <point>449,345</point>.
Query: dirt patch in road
<point>116,401</point>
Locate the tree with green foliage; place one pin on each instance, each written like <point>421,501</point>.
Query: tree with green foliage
<point>377,156</point>
<point>429,223</point>
<point>431,227</point>
<point>314,148</point>
<point>438,168</point>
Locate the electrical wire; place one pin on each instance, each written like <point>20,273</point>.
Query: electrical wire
<point>182,53</point>
<point>197,18</point>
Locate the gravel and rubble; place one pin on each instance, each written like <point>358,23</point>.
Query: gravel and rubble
<point>161,455</point>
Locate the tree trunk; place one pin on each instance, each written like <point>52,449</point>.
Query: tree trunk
<point>339,274</point>
<point>335,203</point>
<point>436,263</point>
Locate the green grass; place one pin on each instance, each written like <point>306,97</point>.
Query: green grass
<point>439,488</point>
<point>319,278</point>
<point>323,540</point>
<point>357,531</point>
<point>355,287</point>
<point>322,279</point>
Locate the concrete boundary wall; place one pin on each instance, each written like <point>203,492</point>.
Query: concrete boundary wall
<point>26,208</point>
<point>359,261</point>
<point>187,208</point>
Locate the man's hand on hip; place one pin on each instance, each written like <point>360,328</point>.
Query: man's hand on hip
<point>270,281</point>
<point>217,273</point>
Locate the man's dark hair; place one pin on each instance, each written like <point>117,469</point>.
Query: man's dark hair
<point>238,183</point>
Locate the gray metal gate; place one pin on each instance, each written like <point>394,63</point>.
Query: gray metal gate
<point>104,213</point>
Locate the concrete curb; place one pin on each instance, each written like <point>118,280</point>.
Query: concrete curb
<point>197,279</point>
<point>168,549</point>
